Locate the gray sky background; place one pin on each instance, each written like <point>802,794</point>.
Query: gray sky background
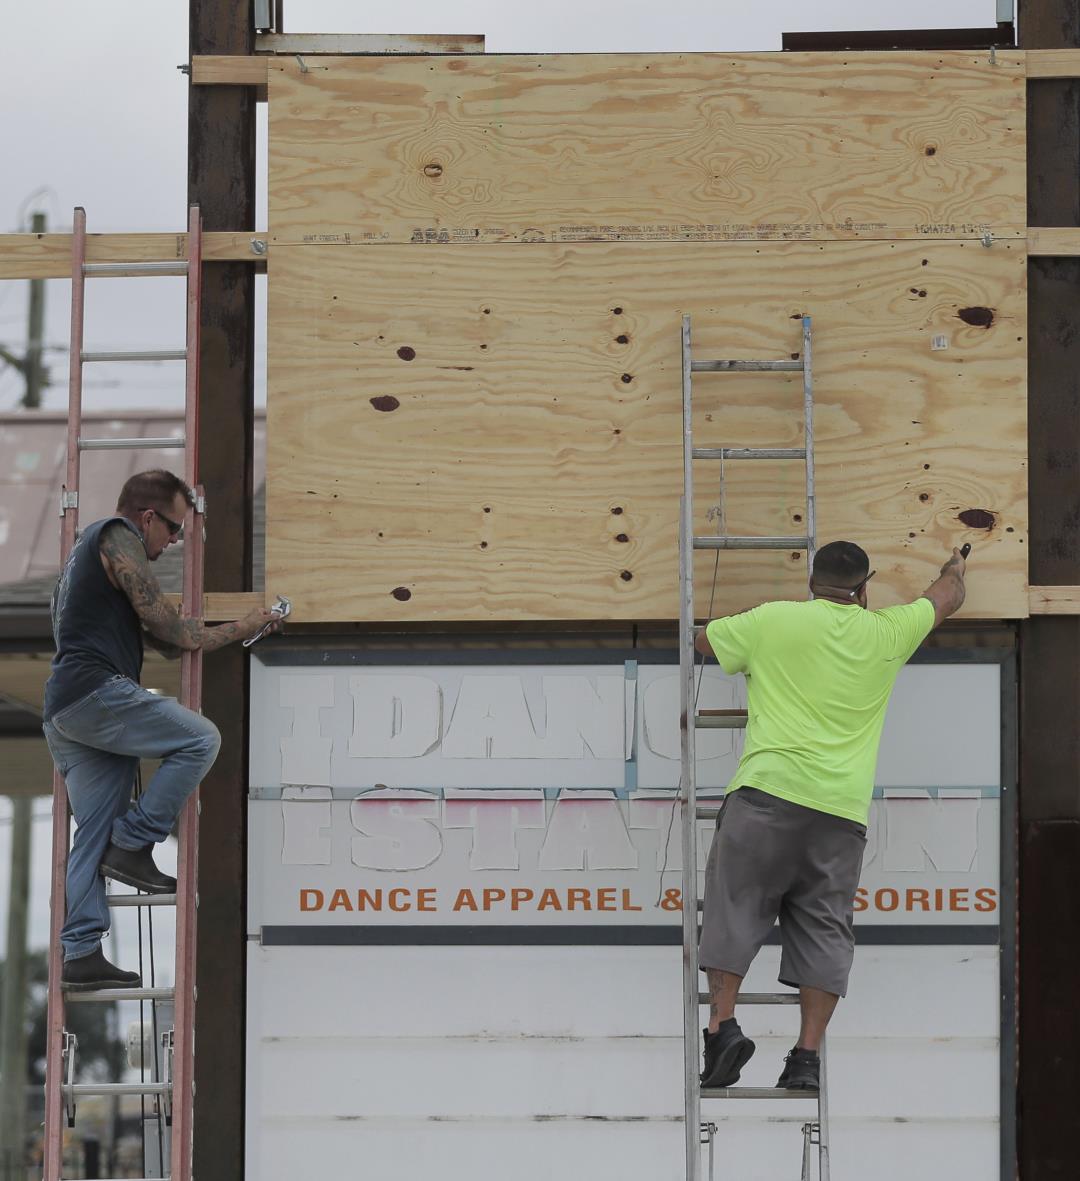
<point>95,114</point>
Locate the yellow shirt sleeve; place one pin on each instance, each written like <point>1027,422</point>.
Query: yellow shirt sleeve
<point>733,639</point>
<point>904,628</point>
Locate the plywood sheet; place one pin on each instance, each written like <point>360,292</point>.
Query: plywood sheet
<point>478,432</point>
<point>647,147</point>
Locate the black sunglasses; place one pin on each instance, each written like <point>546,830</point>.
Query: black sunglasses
<point>175,527</point>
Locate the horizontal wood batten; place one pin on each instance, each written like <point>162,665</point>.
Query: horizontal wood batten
<point>48,256</point>
<point>1053,63</point>
<point>224,606</point>
<point>369,43</point>
<point>1053,241</point>
<point>1054,600</point>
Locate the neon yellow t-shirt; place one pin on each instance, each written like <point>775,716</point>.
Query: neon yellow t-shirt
<point>818,679</point>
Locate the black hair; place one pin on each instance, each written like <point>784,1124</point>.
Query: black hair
<point>841,564</point>
<point>154,489</point>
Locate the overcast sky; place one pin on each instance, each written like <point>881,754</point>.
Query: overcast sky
<point>95,114</point>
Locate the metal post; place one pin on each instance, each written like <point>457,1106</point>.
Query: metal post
<point>688,787</point>
<point>13,1031</point>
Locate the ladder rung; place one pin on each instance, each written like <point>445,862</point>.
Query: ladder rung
<point>148,355</point>
<point>758,998</point>
<point>722,542</point>
<point>721,719</point>
<point>704,812</point>
<point>127,444</point>
<point>124,269</point>
<point>121,994</point>
<point>755,1093</point>
<point>142,899</point>
<point>745,366</point>
<point>748,452</point>
<point>76,1089</point>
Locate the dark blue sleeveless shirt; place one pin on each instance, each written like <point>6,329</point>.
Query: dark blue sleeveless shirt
<point>98,635</point>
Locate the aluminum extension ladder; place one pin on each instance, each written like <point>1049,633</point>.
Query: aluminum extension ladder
<point>173,1091</point>
<point>699,1133</point>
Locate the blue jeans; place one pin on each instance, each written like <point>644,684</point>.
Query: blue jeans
<point>96,745</point>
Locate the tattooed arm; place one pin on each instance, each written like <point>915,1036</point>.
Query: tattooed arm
<point>125,559</point>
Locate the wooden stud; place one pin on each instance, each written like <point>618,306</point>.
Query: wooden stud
<point>48,256</point>
<point>1056,242</point>
<point>1052,63</point>
<point>1054,600</point>
<point>225,606</point>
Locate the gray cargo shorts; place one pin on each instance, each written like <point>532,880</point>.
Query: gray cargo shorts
<point>772,859</point>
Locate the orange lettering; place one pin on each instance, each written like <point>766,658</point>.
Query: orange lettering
<point>887,899</point>
<point>492,895</point>
<point>575,896</point>
<point>985,898</point>
<point>519,895</point>
<point>549,900</point>
<point>311,899</point>
<point>399,899</point>
<point>605,898</point>
<point>365,900</point>
<point>922,897</point>
<point>425,899</point>
<point>465,900</point>
<point>860,899</point>
<point>958,899</point>
<point>340,901</point>
<point>626,903</point>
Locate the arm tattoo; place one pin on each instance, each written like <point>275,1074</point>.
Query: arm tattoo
<point>131,569</point>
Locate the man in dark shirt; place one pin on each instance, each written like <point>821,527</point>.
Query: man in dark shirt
<point>99,722</point>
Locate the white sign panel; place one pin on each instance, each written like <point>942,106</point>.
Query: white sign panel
<point>515,796</point>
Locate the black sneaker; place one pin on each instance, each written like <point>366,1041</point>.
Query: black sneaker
<point>95,971</point>
<point>726,1052</point>
<point>802,1071</point>
<point>135,867</point>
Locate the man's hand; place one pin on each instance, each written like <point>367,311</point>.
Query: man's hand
<point>948,592</point>
<point>258,618</point>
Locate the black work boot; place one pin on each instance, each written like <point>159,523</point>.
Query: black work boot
<point>802,1071</point>
<point>726,1052</point>
<point>135,867</point>
<point>95,971</point>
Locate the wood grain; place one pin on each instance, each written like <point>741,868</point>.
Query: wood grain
<point>1053,63</point>
<point>1055,600</point>
<point>476,428</point>
<point>1053,241</point>
<point>48,256</point>
<point>647,147</point>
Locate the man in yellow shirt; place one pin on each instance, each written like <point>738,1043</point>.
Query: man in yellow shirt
<point>790,836</point>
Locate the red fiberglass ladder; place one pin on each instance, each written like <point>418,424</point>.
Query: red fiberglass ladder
<point>173,1091</point>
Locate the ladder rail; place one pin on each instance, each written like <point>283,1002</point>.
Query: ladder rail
<point>191,668</point>
<point>61,818</point>
<point>808,428</point>
<point>687,784</point>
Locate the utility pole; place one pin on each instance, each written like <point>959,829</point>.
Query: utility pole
<point>13,1012</point>
<point>35,375</point>
<point>30,365</point>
